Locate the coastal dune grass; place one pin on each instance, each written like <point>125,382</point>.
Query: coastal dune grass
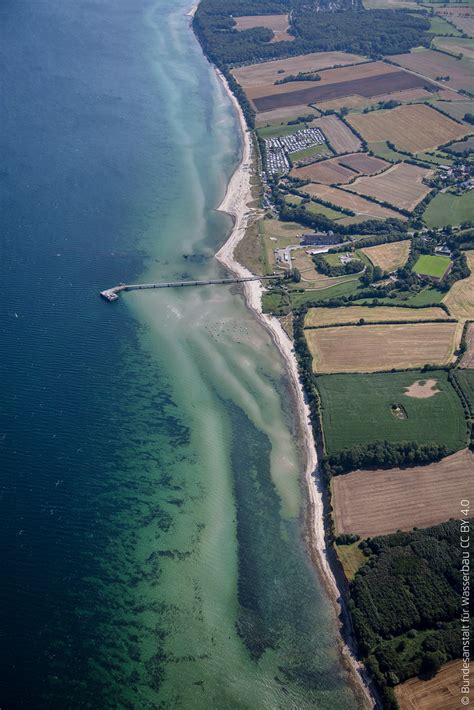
<point>356,410</point>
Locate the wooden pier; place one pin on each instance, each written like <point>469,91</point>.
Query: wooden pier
<point>112,294</point>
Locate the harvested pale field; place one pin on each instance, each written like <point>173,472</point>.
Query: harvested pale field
<point>389,4</point>
<point>422,389</point>
<point>461,17</point>
<point>295,93</point>
<point>380,502</point>
<point>313,278</point>
<point>340,137</point>
<point>351,201</point>
<point>282,115</point>
<point>401,185</point>
<point>389,256</point>
<point>412,128</point>
<point>277,23</point>
<point>460,297</point>
<point>468,357</point>
<point>431,64</point>
<point>340,170</point>
<point>439,693</point>
<point>373,348</point>
<point>352,314</point>
<point>456,109</point>
<point>266,73</point>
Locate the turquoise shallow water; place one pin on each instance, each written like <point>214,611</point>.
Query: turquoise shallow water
<point>151,495</point>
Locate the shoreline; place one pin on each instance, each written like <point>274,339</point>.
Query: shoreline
<point>235,204</point>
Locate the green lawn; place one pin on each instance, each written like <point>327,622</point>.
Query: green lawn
<point>356,410</point>
<point>381,150</point>
<point>439,26</point>
<point>278,130</point>
<point>465,380</point>
<point>425,297</point>
<point>293,199</point>
<point>448,209</point>
<point>317,208</point>
<point>429,265</point>
<point>308,152</point>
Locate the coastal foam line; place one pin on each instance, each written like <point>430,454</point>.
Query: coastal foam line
<point>235,204</point>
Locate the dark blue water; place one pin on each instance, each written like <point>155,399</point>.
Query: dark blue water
<point>150,499</point>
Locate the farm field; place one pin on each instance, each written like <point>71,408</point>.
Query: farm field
<point>361,102</point>
<point>401,185</point>
<point>456,109</point>
<point>431,64</point>
<point>461,17</point>
<point>456,45</point>
<point>413,128</point>
<point>340,170</point>
<point>465,379</point>
<point>429,265</point>
<point>296,93</point>
<point>370,503</point>
<point>351,201</point>
<point>341,138</point>
<point>278,23</point>
<point>356,410</point>
<point>460,297</point>
<point>449,209</point>
<point>265,73</point>
<point>438,693</point>
<point>371,348</point>
<point>280,116</point>
<point>468,357</point>
<point>462,146</point>
<point>389,4</point>
<point>316,317</point>
<point>389,256</point>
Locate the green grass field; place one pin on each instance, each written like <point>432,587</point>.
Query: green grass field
<point>308,152</point>
<point>317,208</point>
<point>439,26</point>
<point>448,209</point>
<point>425,297</point>
<point>356,410</point>
<point>278,130</point>
<point>429,265</point>
<point>465,380</point>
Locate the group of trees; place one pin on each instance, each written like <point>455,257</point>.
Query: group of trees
<point>383,454</point>
<point>409,586</point>
<point>354,266</point>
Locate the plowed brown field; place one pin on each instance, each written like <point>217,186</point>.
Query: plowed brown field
<point>439,693</point>
<point>340,170</point>
<point>374,348</point>
<point>401,185</point>
<point>412,128</point>
<point>381,502</point>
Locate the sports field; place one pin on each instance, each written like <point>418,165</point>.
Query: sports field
<point>389,256</point>
<point>430,265</point>
<point>448,209</point>
<point>438,693</point>
<point>317,317</point>
<point>372,348</point>
<point>356,410</point>
<point>381,502</point>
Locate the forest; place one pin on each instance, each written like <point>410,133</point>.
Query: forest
<point>349,29</point>
<point>405,604</point>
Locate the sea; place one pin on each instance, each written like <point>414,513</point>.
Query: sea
<point>151,491</point>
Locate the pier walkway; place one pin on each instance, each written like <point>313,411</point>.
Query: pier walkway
<point>112,294</point>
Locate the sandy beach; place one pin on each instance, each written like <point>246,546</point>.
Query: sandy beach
<point>235,203</point>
